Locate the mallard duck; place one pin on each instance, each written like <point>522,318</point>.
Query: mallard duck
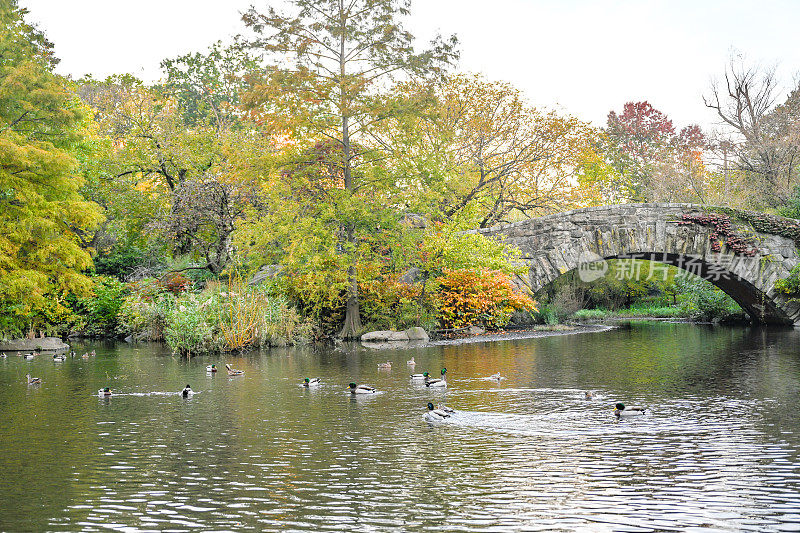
<point>424,375</point>
<point>385,366</point>
<point>3,355</point>
<point>310,382</point>
<point>435,415</point>
<point>361,389</point>
<point>187,391</point>
<point>104,393</point>
<point>588,395</point>
<point>29,355</point>
<point>85,356</point>
<point>59,357</point>
<point>92,353</point>
<point>211,368</point>
<point>443,407</point>
<point>438,383</point>
<point>411,362</point>
<point>233,371</point>
<point>621,410</point>
<point>496,377</point>
<point>72,353</point>
<point>32,381</point>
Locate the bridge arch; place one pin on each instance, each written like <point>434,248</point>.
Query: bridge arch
<point>741,252</point>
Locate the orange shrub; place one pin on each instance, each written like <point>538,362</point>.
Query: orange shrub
<point>480,297</point>
<point>174,282</point>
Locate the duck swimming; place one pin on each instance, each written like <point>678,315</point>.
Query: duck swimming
<point>411,362</point>
<point>211,368</point>
<point>104,393</point>
<point>32,381</point>
<point>187,391</point>
<point>385,366</point>
<point>311,382</point>
<point>59,357</point>
<point>29,355</point>
<point>620,410</point>
<point>588,395</point>
<point>361,389</point>
<point>438,383</point>
<point>233,371</point>
<point>435,415</point>
<point>424,375</point>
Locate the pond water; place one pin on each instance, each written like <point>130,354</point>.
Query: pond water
<point>718,451</point>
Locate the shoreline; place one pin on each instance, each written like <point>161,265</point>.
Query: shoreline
<point>575,329</point>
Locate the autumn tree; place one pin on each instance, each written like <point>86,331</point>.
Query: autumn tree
<point>763,137</point>
<point>205,212</point>
<point>333,61</point>
<point>492,148</point>
<point>163,142</point>
<point>208,86</point>
<point>648,160</point>
<point>42,214</point>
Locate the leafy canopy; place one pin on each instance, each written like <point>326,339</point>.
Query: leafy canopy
<point>42,214</point>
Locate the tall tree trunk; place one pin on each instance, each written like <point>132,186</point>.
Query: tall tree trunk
<point>352,318</point>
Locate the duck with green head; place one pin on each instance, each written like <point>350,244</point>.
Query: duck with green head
<point>620,410</point>
<point>361,389</point>
<point>435,415</point>
<point>311,382</point>
<point>438,383</point>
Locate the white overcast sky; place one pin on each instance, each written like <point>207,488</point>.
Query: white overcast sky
<point>585,57</point>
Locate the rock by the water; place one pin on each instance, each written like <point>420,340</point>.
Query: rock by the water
<point>47,344</point>
<point>411,334</point>
<point>417,334</point>
<point>384,336</point>
<point>475,330</point>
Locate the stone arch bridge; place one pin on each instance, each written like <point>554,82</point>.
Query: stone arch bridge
<point>741,252</point>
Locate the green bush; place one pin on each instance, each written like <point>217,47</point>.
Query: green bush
<point>591,314</point>
<point>221,318</point>
<point>188,330</point>
<point>99,312</point>
<point>703,301</point>
<point>790,285</point>
<point>144,312</point>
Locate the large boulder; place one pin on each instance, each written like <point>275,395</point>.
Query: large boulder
<point>48,344</point>
<point>412,275</point>
<point>384,336</point>
<point>264,273</point>
<point>417,334</point>
<point>411,334</point>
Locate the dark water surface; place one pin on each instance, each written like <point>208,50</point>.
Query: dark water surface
<point>719,450</point>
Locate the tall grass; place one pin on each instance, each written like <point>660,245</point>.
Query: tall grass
<point>226,317</point>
